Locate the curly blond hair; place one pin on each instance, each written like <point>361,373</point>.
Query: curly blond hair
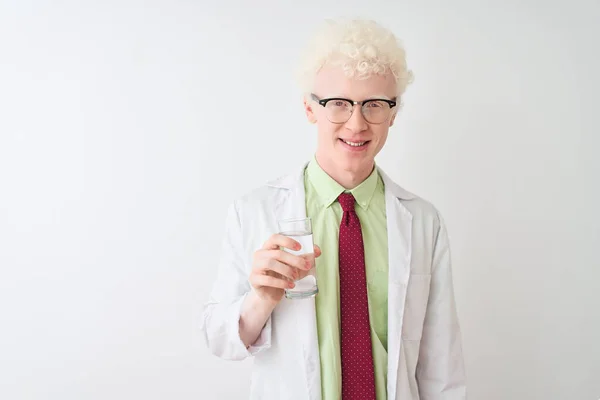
<point>360,47</point>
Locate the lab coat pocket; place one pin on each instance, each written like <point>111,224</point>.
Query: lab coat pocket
<point>415,307</point>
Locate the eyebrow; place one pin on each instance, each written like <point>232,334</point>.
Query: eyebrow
<point>378,96</point>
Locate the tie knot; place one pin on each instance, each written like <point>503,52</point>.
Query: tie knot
<point>346,201</point>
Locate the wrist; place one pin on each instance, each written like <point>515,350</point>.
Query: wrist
<point>254,315</point>
<point>262,304</point>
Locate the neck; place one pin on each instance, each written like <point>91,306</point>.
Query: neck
<point>347,179</point>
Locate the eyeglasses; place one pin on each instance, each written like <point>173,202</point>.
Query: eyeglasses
<point>339,110</point>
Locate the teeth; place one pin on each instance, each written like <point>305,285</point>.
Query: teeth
<point>354,144</point>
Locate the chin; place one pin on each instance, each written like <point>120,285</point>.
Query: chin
<point>355,162</point>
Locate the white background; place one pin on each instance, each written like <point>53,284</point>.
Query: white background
<point>126,128</point>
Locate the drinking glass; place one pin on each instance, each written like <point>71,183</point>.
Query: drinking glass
<point>300,229</point>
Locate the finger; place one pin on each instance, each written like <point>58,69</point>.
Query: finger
<point>277,240</point>
<point>282,269</point>
<point>271,281</point>
<point>317,251</point>
<point>289,259</point>
<point>302,275</point>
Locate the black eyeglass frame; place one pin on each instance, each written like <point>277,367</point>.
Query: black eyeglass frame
<point>323,102</point>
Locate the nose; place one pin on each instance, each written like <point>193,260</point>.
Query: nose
<point>357,122</point>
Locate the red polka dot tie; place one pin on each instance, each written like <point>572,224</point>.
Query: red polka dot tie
<point>358,378</point>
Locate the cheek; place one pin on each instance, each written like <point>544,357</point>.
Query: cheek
<point>381,138</point>
<point>327,131</point>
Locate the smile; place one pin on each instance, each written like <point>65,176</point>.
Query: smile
<point>354,144</point>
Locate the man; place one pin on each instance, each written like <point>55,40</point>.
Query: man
<point>389,328</point>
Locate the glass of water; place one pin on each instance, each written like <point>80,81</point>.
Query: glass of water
<point>300,229</point>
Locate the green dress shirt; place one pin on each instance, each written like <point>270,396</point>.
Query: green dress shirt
<point>326,213</point>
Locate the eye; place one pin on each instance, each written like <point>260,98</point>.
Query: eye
<point>376,104</point>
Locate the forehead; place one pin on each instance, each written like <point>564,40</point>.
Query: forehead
<point>332,81</point>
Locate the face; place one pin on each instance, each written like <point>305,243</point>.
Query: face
<point>350,146</point>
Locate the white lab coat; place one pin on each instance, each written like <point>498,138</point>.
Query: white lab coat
<point>425,360</point>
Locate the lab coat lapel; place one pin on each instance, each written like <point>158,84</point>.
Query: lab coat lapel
<point>300,315</point>
<point>399,226</point>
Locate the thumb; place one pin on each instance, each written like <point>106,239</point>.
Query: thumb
<point>317,251</point>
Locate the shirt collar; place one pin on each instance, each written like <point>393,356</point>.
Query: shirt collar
<point>328,189</point>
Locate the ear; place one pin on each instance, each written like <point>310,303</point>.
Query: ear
<point>396,111</point>
<point>393,119</point>
<point>308,109</point>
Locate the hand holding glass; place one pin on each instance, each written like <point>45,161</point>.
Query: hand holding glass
<point>300,229</point>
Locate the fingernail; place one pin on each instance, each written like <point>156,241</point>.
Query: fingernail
<point>291,285</point>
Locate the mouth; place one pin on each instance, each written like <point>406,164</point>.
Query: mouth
<point>355,144</point>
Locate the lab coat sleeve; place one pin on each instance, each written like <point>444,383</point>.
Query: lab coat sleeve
<point>221,313</point>
<point>440,369</point>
